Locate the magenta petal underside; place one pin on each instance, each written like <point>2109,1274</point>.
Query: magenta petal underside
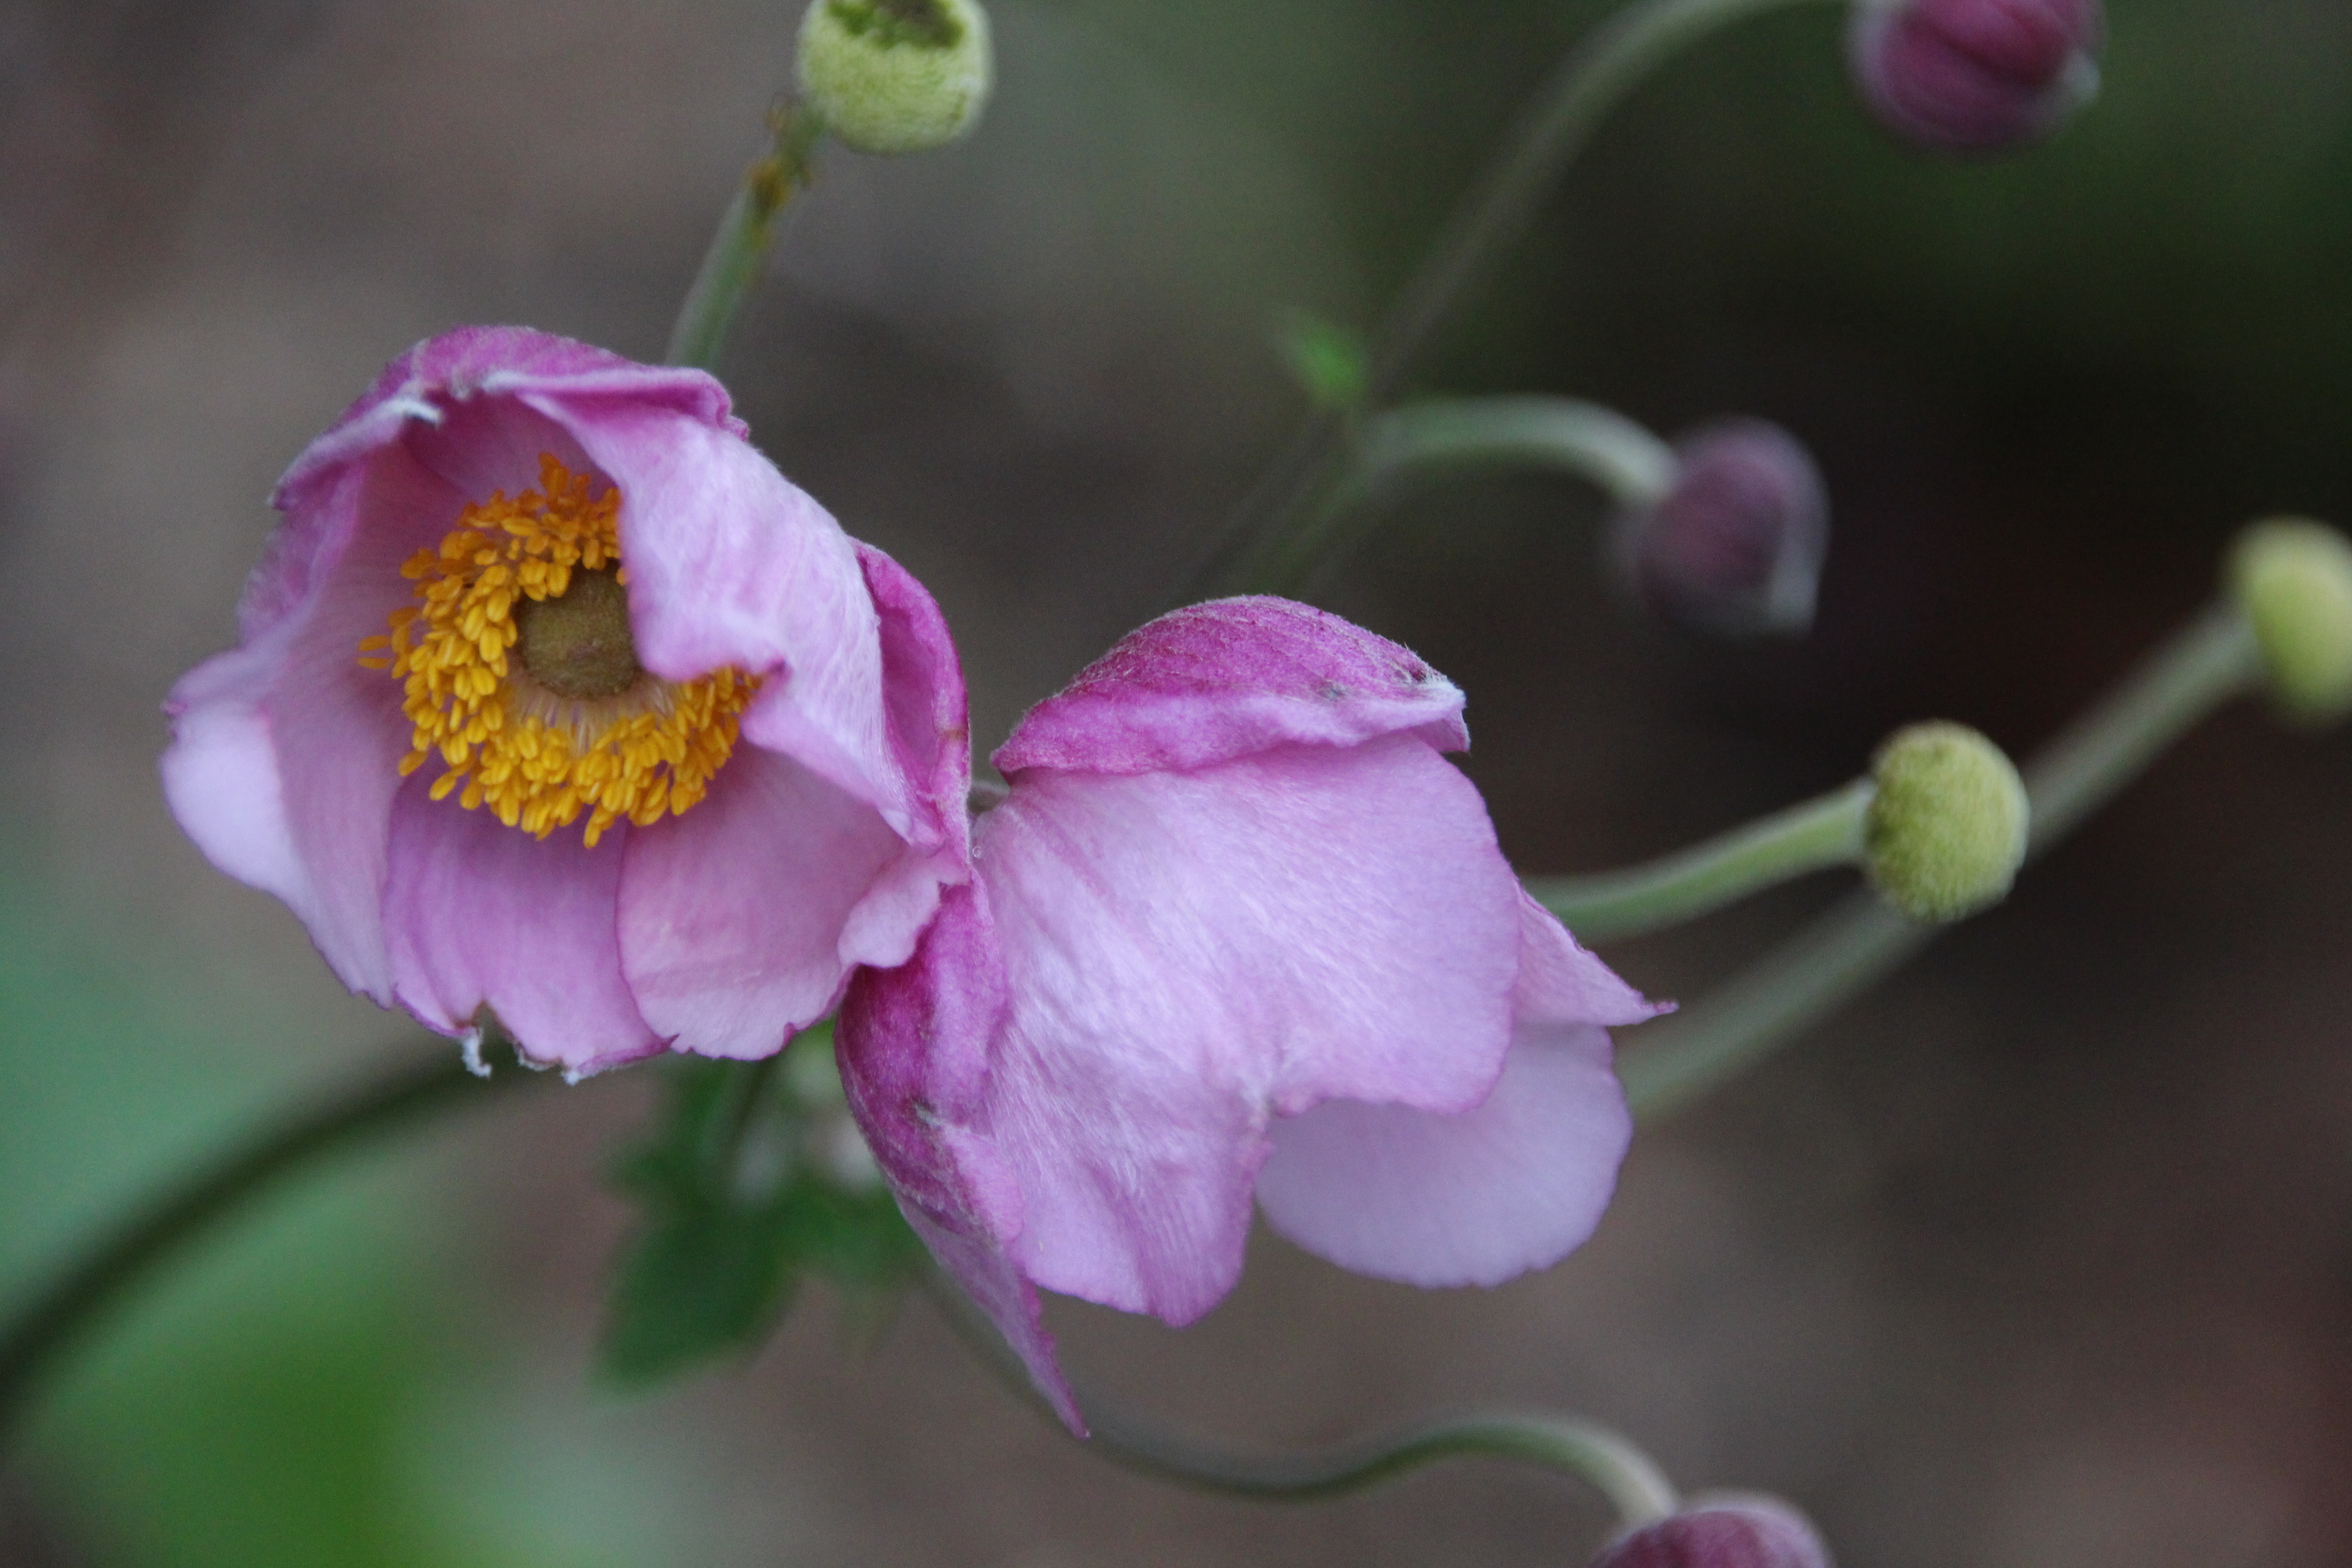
<point>914,1048</point>
<point>478,912</point>
<point>1190,954</point>
<point>1223,680</point>
<point>732,914</point>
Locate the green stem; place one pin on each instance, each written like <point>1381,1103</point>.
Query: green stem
<point>2210,661</point>
<point>1631,1481</point>
<point>1592,81</point>
<point>1805,839</point>
<point>37,1332</point>
<point>1422,440</point>
<point>732,263</point>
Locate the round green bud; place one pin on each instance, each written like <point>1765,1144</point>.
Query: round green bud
<point>895,76</point>
<point>2292,579</point>
<point>1946,831</point>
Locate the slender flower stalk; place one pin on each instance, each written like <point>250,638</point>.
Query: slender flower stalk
<point>1592,81</point>
<point>2210,661</point>
<point>1635,1487</point>
<point>55,1317</point>
<point>737,251</point>
<point>1814,835</point>
<point>1422,440</point>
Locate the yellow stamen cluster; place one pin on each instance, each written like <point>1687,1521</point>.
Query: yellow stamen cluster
<point>535,756</point>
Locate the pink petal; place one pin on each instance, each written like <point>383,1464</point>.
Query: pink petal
<point>922,683</point>
<point>220,773</point>
<point>1561,983</point>
<point>1473,1198</point>
<point>337,726</point>
<point>1189,955</point>
<point>479,912</point>
<point>1482,1196</point>
<point>1223,680</point>
<point>731,915</point>
<point>914,1048</point>
<point>731,564</point>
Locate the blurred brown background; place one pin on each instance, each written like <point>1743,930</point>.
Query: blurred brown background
<point>2041,1255</point>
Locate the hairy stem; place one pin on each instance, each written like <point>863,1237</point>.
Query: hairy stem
<point>2208,662</point>
<point>45,1327</point>
<point>1592,81</point>
<point>732,263</point>
<point>1805,839</point>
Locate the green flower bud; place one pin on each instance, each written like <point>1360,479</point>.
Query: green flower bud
<point>895,76</point>
<point>2292,578</point>
<point>1946,832</point>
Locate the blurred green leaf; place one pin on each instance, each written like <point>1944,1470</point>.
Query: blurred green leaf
<point>751,1178</point>
<point>1331,362</point>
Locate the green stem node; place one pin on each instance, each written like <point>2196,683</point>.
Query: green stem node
<point>732,263</point>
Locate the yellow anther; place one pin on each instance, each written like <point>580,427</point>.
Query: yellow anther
<point>536,757</point>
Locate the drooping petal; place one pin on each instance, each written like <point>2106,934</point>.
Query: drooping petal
<point>914,1046</point>
<point>731,564</point>
<point>732,914</point>
<point>1485,1194</point>
<point>478,912</point>
<point>1227,679</point>
<point>1190,954</point>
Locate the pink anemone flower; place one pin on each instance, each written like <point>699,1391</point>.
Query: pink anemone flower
<point>1238,930</point>
<point>552,697</point>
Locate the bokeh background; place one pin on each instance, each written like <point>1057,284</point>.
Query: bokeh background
<point>2040,1256</point>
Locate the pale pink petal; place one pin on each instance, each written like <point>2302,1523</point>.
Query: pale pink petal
<point>914,1046</point>
<point>479,912</point>
<point>1226,680</point>
<point>492,446</point>
<point>1561,983</point>
<point>1190,954</point>
<point>731,564</point>
<point>220,773</point>
<point>1482,1196</point>
<point>1473,1198</point>
<point>339,732</point>
<point>732,913</point>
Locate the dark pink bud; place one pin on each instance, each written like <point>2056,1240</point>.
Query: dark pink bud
<point>1729,1531</point>
<point>1734,548</point>
<point>1974,76</point>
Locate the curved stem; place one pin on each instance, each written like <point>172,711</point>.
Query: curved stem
<point>1805,839</point>
<point>1675,1060</point>
<point>1610,1462</point>
<point>1632,1483</point>
<point>34,1335</point>
<point>1592,81</point>
<point>1422,440</point>
<point>731,265</point>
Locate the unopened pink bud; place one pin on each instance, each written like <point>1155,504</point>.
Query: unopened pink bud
<point>1729,1531</point>
<point>1734,548</point>
<point>1974,76</point>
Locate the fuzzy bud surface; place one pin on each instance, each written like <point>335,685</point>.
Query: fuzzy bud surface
<point>1974,76</point>
<point>1947,829</point>
<point>2292,578</point>
<point>1735,547</point>
<point>895,75</point>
